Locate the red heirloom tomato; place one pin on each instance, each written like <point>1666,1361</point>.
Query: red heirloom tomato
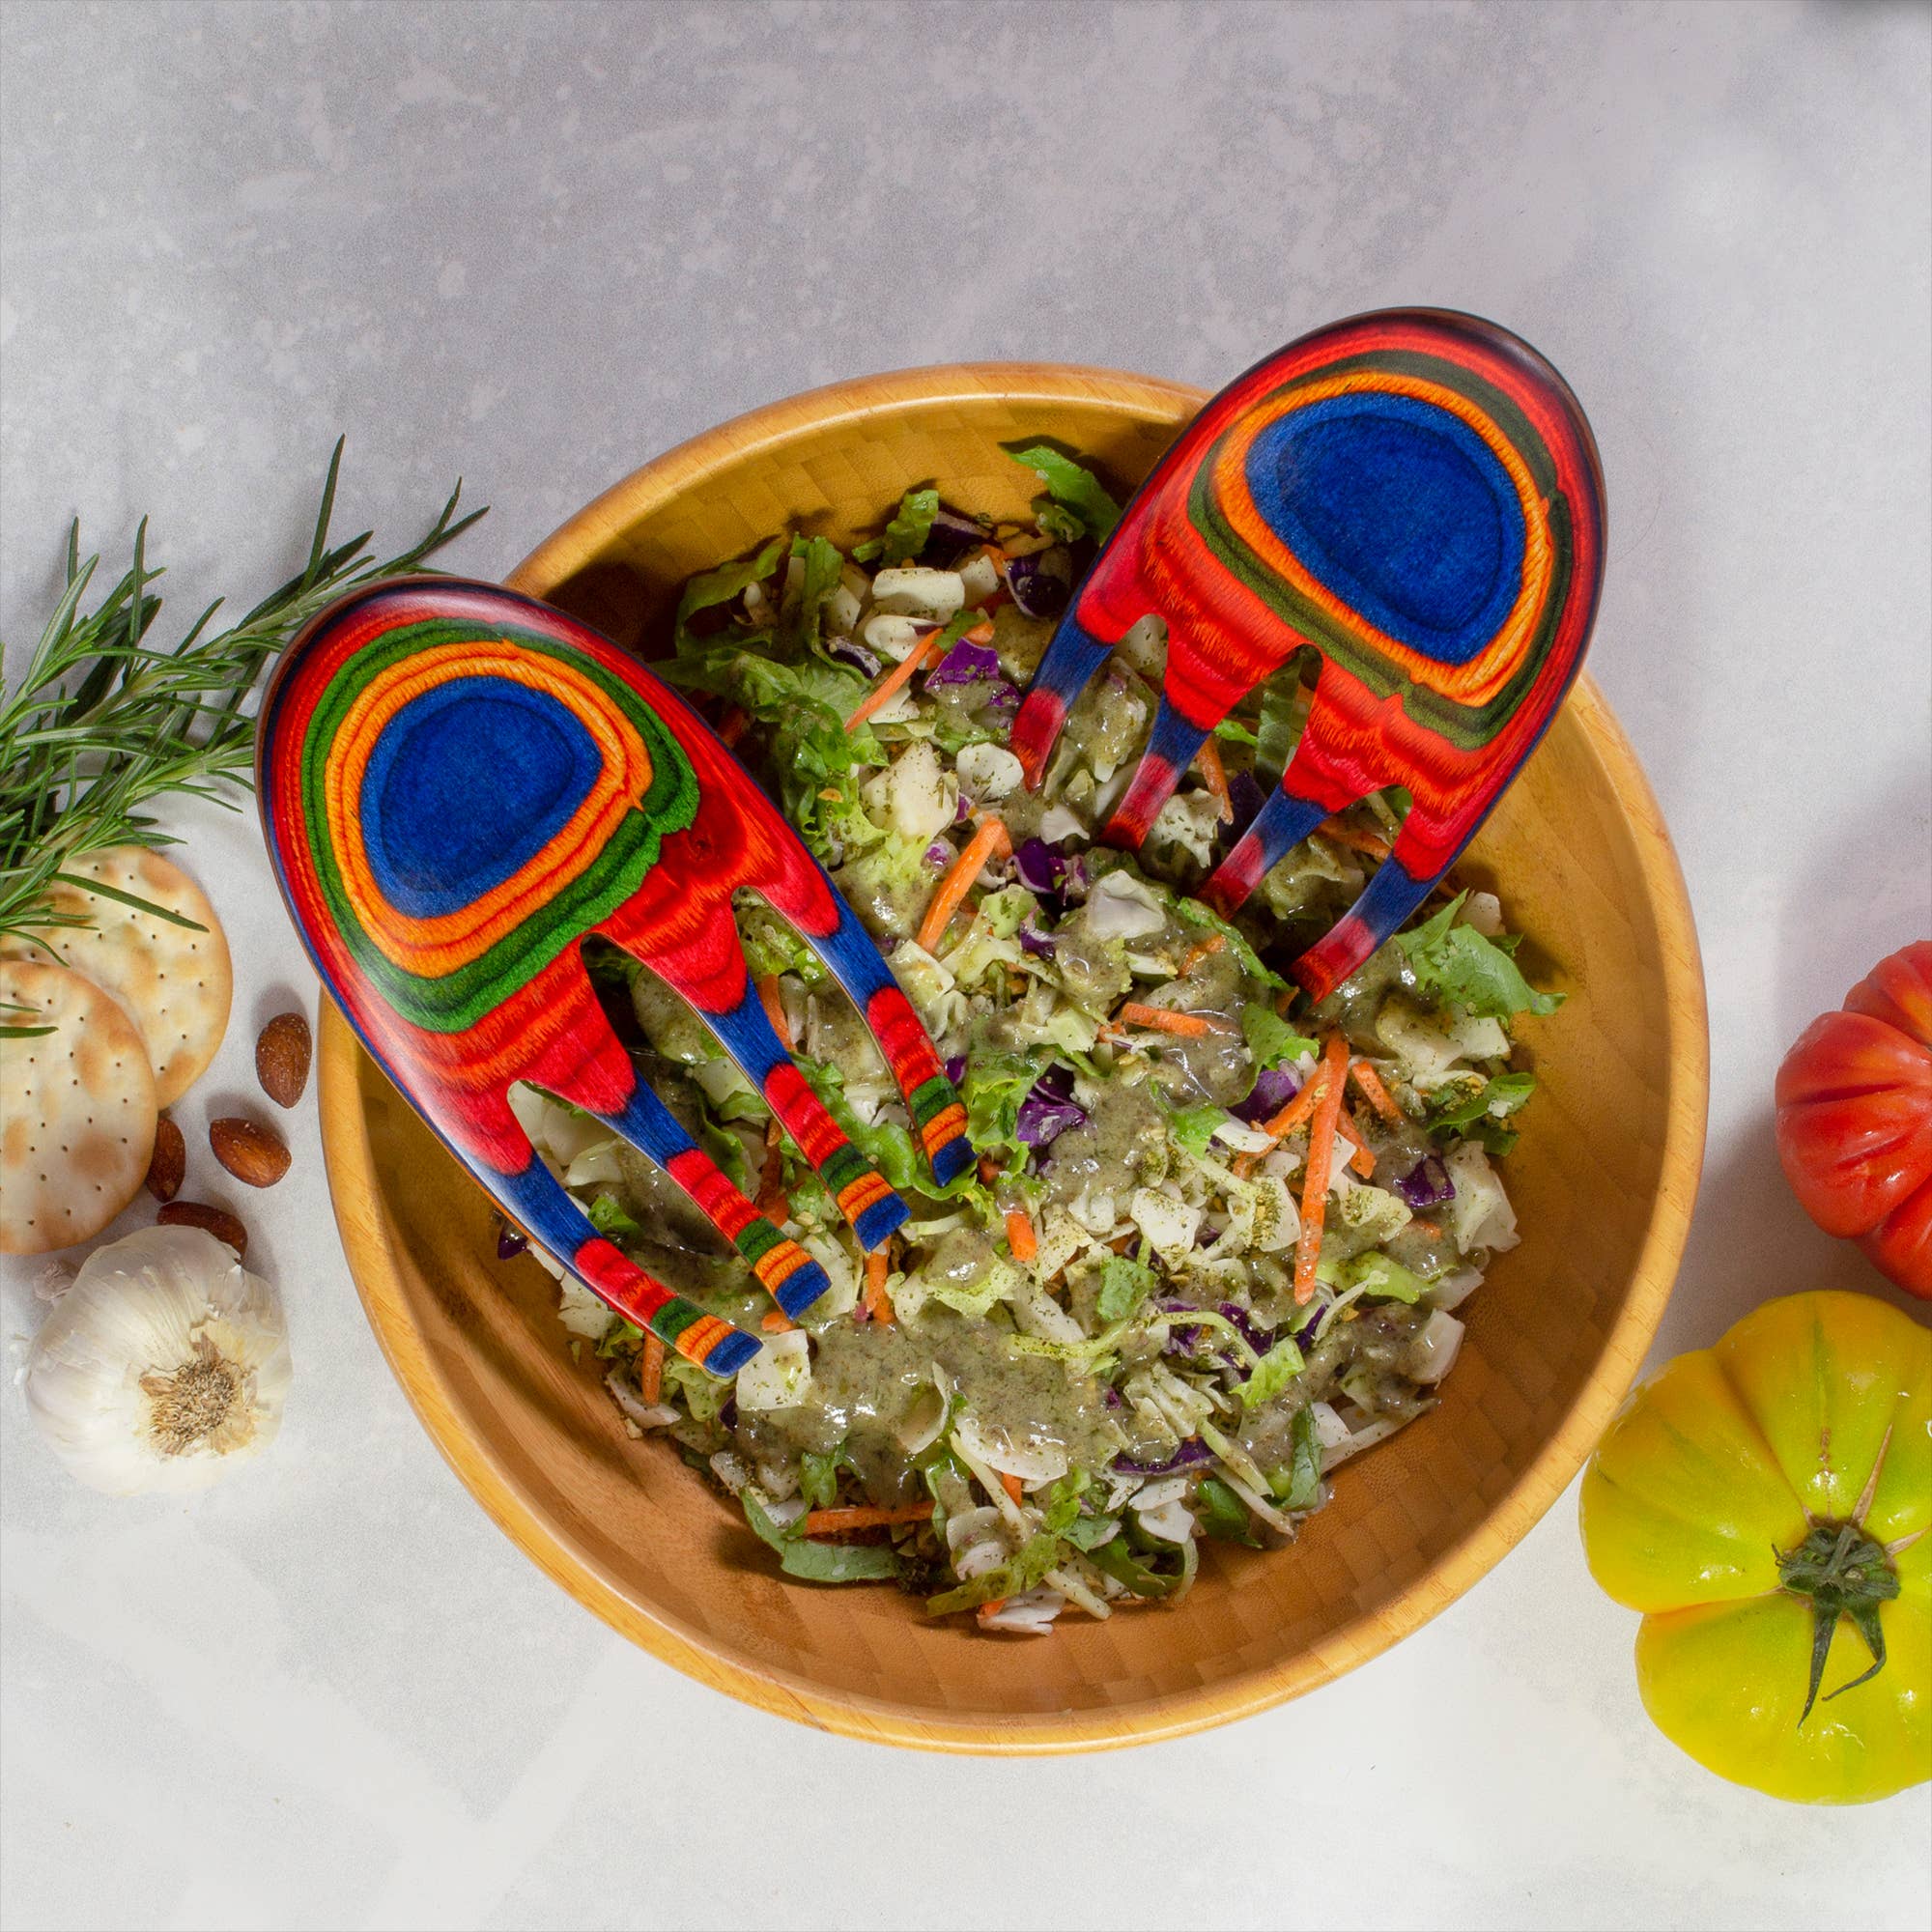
<point>1855,1117</point>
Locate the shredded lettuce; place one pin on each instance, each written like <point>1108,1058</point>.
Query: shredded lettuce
<point>1456,962</point>
<point>1270,1038</point>
<point>1071,487</point>
<point>1274,1372</point>
<point>1027,1564</point>
<point>605,1214</point>
<point>1193,1128</point>
<point>725,584</point>
<point>1125,1284</point>
<point>1222,1515</point>
<point>1299,1486</point>
<point>906,535</point>
<point>822,566</point>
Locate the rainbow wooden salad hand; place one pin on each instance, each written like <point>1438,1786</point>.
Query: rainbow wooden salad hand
<point>1415,496</point>
<point>457,785</point>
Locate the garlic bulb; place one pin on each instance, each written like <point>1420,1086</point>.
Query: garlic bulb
<point>162,1367</point>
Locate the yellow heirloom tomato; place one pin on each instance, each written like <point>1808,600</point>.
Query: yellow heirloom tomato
<point>1765,1504</point>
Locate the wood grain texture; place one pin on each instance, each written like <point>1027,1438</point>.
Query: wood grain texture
<point>1604,1180</point>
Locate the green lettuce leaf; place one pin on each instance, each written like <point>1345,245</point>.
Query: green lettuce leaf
<point>1270,1038</point>
<point>1299,1486</point>
<point>1071,487</point>
<point>728,582</point>
<point>1491,1100</point>
<point>992,1087</point>
<point>820,1562</point>
<point>1118,1560</point>
<point>822,565</point>
<point>1222,1515</point>
<point>818,1477</point>
<point>1027,1564</point>
<point>906,535</point>
<point>1276,1370</point>
<point>1125,1284</point>
<point>1194,1127</point>
<point>605,1214</point>
<point>1455,962</point>
<point>1373,1273</point>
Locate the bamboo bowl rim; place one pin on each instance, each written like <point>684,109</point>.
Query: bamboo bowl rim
<point>355,1181</point>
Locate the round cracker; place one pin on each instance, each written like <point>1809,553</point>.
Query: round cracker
<point>77,1110</point>
<point>173,984</point>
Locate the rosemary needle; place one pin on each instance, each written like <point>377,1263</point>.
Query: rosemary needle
<point>101,722</point>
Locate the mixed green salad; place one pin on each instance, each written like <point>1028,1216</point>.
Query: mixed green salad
<point>1215,1240</point>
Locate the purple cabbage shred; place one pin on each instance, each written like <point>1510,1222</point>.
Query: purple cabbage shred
<point>950,537</point>
<point>1258,1338</point>
<point>1190,1452</point>
<point>845,650</point>
<point>1273,1088</point>
<point>1040,589</point>
<point>1427,1184</point>
<point>1245,795</point>
<point>1039,867</point>
<point>1050,1109</point>
<point>510,1242</point>
<point>1033,940</point>
<point>965,663</point>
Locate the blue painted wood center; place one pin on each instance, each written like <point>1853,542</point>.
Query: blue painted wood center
<point>1400,510</point>
<point>465,785</point>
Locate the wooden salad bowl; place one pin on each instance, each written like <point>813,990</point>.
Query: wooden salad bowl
<point>1604,1180</point>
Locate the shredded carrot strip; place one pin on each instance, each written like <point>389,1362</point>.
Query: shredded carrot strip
<point>1297,1109</point>
<point>1355,841</point>
<point>1189,1025</point>
<point>775,1322</point>
<point>1202,948</point>
<point>1020,1236</point>
<point>980,633</point>
<point>882,694</point>
<point>984,1614</point>
<point>989,1169</point>
<point>1244,1164</point>
<point>1361,1159</point>
<point>1374,1092</point>
<point>990,841</point>
<point>772,1202</point>
<point>1321,1151</point>
<point>774,1004</point>
<point>731,726</point>
<point>1011,1485</point>
<point>1422,1227</point>
<point>1215,773</point>
<point>651,1370</point>
<point>878,1304</point>
<point>863,1516</point>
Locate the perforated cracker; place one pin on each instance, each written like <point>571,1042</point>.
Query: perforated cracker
<point>77,1110</point>
<point>173,984</point>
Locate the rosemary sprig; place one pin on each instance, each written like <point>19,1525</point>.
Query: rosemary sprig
<point>101,722</point>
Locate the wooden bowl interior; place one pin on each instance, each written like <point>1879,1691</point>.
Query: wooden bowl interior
<point>1602,1181</point>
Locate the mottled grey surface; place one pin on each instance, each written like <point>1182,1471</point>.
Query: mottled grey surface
<point>536,244</point>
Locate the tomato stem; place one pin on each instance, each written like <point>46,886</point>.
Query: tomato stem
<point>1843,1573</point>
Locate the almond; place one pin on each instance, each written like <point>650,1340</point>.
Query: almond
<point>253,1154</point>
<point>217,1221</point>
<point>282,1057</point>
<point>167,1166</point>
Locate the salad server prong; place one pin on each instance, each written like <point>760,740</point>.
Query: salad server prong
<point>458,786</point>
<point>1414,497</point>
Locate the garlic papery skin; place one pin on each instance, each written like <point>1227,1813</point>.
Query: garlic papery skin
<point>163,1367</point>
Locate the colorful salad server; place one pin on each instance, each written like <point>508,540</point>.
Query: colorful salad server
<point>457,786</point>
<point>1413,495</point>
